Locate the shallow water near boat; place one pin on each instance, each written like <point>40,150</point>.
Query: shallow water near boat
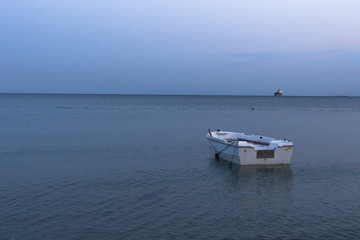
<point>138,167</point>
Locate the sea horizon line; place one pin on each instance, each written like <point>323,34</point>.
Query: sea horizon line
<point>163,94</point>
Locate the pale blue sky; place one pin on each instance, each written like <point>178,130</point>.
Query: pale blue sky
<point>246,47</point>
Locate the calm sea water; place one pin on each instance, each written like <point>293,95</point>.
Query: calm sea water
<point>139,167</point>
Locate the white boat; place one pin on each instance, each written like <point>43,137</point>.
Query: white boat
<point>251,149</point>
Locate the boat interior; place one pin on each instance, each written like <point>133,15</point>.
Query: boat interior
<point>256,141</point>
<point>234,136</point>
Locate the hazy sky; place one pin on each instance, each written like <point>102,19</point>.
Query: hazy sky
<point>250,47</point>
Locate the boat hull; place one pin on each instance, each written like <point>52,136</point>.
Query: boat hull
<point>248,155</point>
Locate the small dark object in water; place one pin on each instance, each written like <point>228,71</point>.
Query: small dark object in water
<point>252,108</point>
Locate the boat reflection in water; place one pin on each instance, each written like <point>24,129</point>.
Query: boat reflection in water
<point>267,179</point>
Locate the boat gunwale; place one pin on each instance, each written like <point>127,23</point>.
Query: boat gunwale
<point>212,138</point>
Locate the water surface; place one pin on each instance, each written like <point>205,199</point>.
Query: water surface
<point>139,167</point>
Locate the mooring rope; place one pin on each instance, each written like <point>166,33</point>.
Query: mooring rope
<point>217,154</point>
<point>230,144</point>
<point>232,157</point>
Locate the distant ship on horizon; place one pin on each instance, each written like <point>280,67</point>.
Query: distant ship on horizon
<point>278,92</point>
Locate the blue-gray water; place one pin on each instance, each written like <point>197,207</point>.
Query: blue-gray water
<point>139,167</point>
